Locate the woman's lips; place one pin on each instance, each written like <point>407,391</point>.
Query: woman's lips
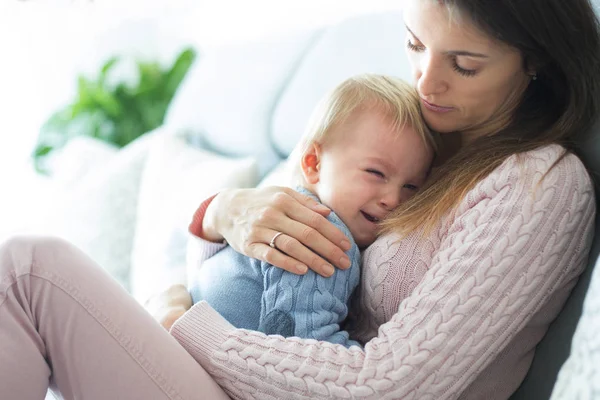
<point>435,107</point>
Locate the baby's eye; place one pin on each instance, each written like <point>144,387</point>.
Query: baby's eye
<point>376,172</point>
<point>411,187</point>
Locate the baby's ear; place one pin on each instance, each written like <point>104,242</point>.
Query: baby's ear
<point>311,163</point>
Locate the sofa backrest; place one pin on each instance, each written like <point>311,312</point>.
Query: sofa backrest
<point>227,99</point>
<point>366,44</point>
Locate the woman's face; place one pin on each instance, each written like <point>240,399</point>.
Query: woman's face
<point>467,81</point>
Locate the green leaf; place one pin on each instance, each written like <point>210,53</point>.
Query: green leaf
<point>106,69</point>
<point>150,77</point>
<point>42,150</point>
<point>39,154</point>
<point>178,71</point>
<point>107,102</point>
<point>118,114</point>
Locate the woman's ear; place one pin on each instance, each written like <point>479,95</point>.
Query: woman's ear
<point>531,67</point>
<point>310,163</point>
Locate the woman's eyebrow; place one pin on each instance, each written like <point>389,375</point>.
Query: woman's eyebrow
<point>466,53</point>
<point>453,52</point>
<point>411,32</point>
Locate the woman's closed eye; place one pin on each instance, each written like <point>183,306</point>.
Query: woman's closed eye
<point>463,71</point>
<point>413,46</point>
<point>411,187</point>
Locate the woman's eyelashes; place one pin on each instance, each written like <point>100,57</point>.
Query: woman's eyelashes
<point>413,46</point>
<point>463,71</point>
<point>411,187</point>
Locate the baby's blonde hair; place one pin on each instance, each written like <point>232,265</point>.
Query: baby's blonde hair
<point>396,99</point>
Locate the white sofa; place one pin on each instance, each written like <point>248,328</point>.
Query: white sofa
<point>249,103</point>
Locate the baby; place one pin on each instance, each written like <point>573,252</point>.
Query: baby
<point>365,151</point>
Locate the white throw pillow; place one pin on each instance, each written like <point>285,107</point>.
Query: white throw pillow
<point>176,179</point>
<point>98,213</point>
<point>80,156</point>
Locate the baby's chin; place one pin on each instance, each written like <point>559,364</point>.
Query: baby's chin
<point>364,242</point>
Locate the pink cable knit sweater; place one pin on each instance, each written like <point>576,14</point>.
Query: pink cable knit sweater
<point>455,315</point>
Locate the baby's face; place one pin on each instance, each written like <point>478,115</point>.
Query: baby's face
<point>368,169</point>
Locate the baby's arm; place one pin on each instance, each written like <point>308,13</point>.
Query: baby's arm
<point>308,306</point>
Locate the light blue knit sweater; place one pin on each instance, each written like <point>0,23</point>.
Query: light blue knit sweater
<point>255,295</point>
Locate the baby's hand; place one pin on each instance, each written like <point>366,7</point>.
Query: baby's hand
<point>167,306</point>
<point>168,316</point>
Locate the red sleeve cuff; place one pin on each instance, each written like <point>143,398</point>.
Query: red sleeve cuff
<point>195,227</point>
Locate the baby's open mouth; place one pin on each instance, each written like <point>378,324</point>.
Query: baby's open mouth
<point>370,217</point>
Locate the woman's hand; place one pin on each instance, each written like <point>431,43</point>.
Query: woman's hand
<point>166,307</point>
<point>249,219</point>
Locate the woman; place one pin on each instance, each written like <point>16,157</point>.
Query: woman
<point>462,285</point>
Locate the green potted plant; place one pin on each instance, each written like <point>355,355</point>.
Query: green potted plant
<point>115,112</point>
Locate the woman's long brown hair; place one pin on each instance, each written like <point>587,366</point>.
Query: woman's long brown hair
<point>561,40</point>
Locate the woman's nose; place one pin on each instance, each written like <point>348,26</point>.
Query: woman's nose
<point>429,77</point>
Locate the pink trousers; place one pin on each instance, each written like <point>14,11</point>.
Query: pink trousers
<point>67,325</point>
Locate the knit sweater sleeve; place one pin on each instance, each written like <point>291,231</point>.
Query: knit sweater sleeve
<point>511,244</point>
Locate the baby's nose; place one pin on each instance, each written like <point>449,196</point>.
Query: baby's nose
<point>390,199</point>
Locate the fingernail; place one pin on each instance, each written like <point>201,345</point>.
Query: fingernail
<point>301,268</point>
<point>345,245</point>
<point>321,207</point>
<point>328,270</point>
<point>345,262</point>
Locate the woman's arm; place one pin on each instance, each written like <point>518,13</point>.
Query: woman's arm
<point>512,247</point>
<point>249,218</point>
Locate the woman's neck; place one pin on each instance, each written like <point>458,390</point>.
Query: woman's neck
<point>450,144</point>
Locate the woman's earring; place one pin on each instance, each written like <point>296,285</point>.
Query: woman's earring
<point>534,77</point>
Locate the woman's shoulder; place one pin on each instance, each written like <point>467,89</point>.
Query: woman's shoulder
<point>552,163</point>
<point>545,157</point>
<point>549,176</point>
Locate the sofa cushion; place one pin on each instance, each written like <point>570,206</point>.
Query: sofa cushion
<point>175,179</point>
<point>80,156</point>
<point>372,43</point>
<point>228,96</point>
<point>579,378</point>
<point>98,214</point>
<point>589,146</point>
